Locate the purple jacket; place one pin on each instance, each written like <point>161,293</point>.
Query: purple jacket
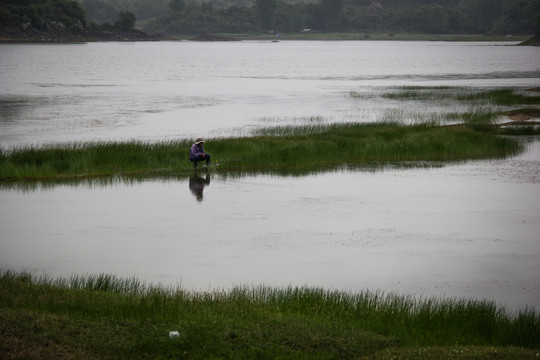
<point>196,150</point>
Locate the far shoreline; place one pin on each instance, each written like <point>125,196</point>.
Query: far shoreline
<point>140,36</point>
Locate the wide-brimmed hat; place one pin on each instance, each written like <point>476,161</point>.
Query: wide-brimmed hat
<point>199,141</point>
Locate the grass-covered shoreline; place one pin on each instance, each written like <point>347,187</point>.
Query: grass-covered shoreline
<point>105,317</point>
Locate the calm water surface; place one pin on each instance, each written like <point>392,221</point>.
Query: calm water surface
<point>467,229</point>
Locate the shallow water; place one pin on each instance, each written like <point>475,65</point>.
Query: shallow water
<point>461,230</point>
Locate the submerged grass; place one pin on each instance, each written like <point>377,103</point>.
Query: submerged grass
<point>106,317</point>
<point>419,93</point>
<point>309,146</point>
<point>503,97</point>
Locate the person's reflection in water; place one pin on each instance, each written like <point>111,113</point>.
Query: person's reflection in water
<point>197,184</point>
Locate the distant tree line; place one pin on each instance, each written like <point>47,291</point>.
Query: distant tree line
<point>424,16</point>
<point>42,14</point>
<point>106,11</point>
<point>57,16</point>
<point>239,16</point>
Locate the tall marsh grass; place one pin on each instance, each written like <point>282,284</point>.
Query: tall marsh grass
<point>92,159</point>
<point>310,146</point>
<point>345,144</point>
<point>305,321</point>
<point>506,97</point>
<point>503,97</point>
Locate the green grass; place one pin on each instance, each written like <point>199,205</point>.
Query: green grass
<point>304,147</point>
<point>503,97</point>
<point>438,93</point>
<point>104,317</point>
<point>92,159</point>
<point>426,93</point>
<point>506,97</point>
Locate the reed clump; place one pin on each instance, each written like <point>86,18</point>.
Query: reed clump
<point>505,97</point>
<point>102,316</point>
<point>92,159</point>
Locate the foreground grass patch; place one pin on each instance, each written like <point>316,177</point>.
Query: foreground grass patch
<point>307,147</point>
<point>109,318</point>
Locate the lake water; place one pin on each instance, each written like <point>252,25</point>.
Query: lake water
<point>164,90</point>
<point>469,229</point>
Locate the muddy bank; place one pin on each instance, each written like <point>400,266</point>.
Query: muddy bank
<point>534,41</point>
<point>522,114</point>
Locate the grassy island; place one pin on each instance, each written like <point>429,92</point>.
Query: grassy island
<point>291,148</point>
